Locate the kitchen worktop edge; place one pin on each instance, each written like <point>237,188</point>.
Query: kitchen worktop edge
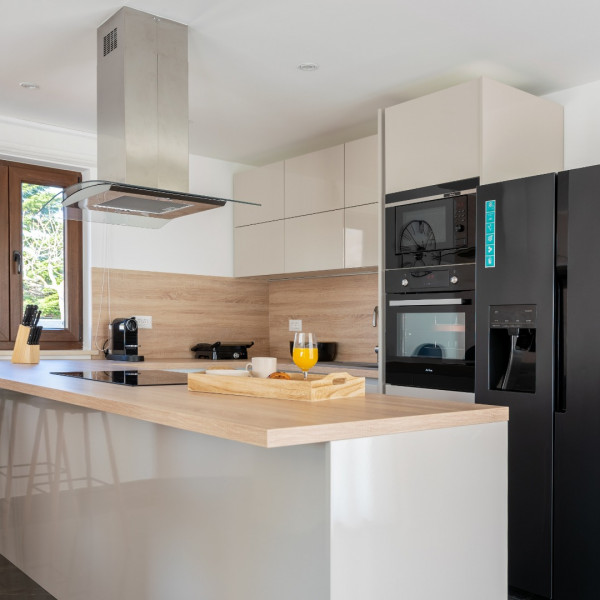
<point>258,421</point>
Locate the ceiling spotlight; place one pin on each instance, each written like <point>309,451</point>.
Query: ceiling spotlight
<point>29,85</point>
<point>308,66</point>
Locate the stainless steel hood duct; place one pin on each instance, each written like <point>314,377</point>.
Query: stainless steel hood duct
<point>143,151</point>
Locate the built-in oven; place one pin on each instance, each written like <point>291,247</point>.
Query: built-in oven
<point>430,331</point>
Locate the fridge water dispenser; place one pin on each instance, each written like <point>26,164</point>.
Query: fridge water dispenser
<point>512,348</point>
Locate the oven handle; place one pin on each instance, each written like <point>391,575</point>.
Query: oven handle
<point>431,302</point>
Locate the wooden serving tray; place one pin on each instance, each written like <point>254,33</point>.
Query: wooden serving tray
<point>316,387</point>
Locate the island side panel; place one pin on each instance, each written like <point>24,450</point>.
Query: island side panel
<point>148,512</point>
<point>420,515</point>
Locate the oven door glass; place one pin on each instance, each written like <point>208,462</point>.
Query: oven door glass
<point>431,334</point>
<point>430,342</point>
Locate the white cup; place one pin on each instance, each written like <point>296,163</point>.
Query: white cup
<point>262,366</point>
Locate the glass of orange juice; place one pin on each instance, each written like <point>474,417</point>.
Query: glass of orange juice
<point>305,353</point>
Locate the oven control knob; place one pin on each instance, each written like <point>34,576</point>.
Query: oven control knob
<point>454,279</point>
<point>460,228</point>
<point>404,282</point>
<point>236,355</point>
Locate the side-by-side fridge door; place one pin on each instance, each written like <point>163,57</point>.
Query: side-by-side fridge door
<point>577,418</point>
<point>514,345</point>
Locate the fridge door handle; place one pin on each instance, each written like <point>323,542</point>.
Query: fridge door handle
<point>560,393</point>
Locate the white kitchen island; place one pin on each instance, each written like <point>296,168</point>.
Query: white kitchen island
<point>154,493</point>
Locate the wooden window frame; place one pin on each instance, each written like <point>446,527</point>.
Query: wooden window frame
<point>12,176</point>
<point>5,262</point>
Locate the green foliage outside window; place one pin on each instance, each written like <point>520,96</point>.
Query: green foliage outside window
<point>43,250</point>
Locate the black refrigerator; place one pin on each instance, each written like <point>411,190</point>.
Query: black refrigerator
<point>538,352</point>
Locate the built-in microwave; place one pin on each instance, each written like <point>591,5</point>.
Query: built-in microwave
<point>431,232</point>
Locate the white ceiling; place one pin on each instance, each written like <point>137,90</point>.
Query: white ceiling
<point>249,102</point>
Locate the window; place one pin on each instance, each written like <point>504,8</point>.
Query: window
<point>40,256</point>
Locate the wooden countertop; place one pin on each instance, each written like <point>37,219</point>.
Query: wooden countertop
<point>260,421</point>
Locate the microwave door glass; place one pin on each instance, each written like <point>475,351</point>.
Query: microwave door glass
<point>426,222</point>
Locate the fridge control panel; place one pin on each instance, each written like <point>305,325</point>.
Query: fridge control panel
<point>513,315</point>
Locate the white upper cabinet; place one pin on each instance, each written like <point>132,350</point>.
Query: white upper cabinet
<point>479,129</point>
<point>521,135</point>
<point>361,171</point>
<point>263,185</point>
<point>315,242</point>
<point>259,249</point>
<point>432,139</point>
<point>314,182</point>
<point>361,236</point>
<point>319,212</point>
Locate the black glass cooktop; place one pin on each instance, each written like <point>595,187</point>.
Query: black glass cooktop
<point>130,377</point>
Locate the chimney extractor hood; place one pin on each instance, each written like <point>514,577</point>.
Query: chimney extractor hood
<point>143,154</point>
<point>123,204</point>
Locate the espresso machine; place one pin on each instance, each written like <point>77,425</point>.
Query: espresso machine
<point>123,340</point>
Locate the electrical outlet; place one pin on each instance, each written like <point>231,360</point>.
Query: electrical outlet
<point>295,324</point>
<point>144,322</point>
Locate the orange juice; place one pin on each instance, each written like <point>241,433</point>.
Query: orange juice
<point>305,358</point>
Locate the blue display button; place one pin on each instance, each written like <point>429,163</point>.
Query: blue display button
<point>490,250</point>
<point>490,205</point>
<point>490,217</point>
<point>490,262</point>
<point>490,228</point>
<point>490,238</point>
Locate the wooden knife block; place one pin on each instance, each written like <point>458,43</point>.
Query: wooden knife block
<point>23,353</point>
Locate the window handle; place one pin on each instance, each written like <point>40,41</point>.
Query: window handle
<point>18,259</point>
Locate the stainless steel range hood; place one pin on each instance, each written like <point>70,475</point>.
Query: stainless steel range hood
<point>123,204</point>
<point>143,151</point>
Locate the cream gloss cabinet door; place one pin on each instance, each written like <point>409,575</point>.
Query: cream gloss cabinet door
<point>361,171</point>
<point>361,236</point>
<point>433,139</point>
<point>263,185</point>
<point>314,182</point>
<point>521,134</point>
<point>259,249</point>
<point>315,242</point>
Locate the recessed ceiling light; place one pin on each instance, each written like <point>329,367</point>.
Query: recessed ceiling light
<point>308,66</point>
<point>29,85</point>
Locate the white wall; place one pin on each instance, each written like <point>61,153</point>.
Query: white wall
<point>582,124</point>
<point>200,244</point>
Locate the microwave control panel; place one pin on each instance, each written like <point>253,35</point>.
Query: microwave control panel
<point>460,221</point>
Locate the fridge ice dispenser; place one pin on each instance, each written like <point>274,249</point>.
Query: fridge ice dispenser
<point>512,348</point>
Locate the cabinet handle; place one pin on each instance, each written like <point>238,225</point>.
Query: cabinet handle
<point>18,259</point>
<point>375,313</point>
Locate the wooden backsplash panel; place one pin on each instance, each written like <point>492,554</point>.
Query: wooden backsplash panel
<point>185,310</point>
<point>337,309</point>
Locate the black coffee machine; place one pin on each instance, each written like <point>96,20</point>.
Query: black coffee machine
<point>124,345</point>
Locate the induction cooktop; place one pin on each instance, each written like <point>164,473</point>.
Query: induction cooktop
<point>129,376</point>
